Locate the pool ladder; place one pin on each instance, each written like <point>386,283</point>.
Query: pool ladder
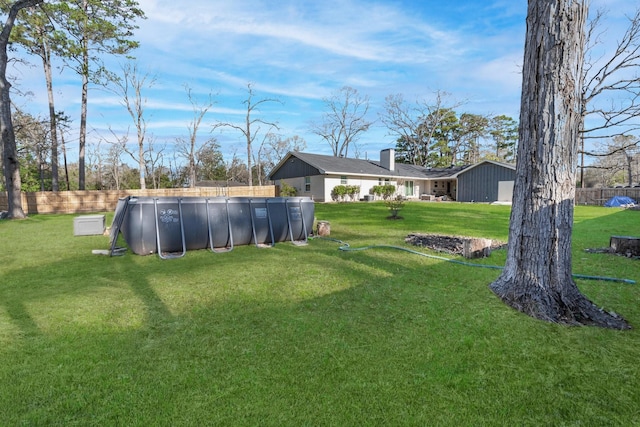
<point>170,255</point>
<point>297,213</point>
<point>229,246</point>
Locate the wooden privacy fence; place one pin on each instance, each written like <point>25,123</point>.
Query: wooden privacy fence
<point>105,201</point>
<point>45,202</point>
<point>598,196</point>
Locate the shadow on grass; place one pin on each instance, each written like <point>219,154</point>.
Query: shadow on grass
<point>304,335</point>
<point>71,276</point>
<point>381,339</point>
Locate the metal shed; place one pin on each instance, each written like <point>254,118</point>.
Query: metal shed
<point>487,181</point>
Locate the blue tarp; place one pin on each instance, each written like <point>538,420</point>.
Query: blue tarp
<point>620,201</point>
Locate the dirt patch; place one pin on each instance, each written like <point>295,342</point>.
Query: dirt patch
<point>448,244</point>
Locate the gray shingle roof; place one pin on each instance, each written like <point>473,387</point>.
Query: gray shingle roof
<point>347,166</point>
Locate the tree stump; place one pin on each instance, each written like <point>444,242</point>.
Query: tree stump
<point>324,228</point>
<point>476,248</point>
<point>625,245</point>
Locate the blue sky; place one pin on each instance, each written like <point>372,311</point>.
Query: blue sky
<point>301,51</point>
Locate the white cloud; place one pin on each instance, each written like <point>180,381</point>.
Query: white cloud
<point>301,51</point>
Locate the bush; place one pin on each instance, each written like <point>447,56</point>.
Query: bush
<point>338,193</point>
<point>384,191</point>
<point>287,191</point>
<point>395,205</point>
<point>342,192</point>
<point>353,191</point>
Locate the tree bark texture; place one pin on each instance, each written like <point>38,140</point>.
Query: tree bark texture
<point>46,64</point>
<point>10,153</point>
<point>537,278</point>
<point>82,138</point>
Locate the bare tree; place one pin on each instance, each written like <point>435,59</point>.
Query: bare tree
<point>10,153</point>
<point>236,170</point>
<point>116,148</point>
<point>611,90</point>
<point>278,148</point>
<point>345,120</point>
<point>251,127</point>
<point>416,125</point>
<point>129,88</point>
<point>403,121</point>
<point>189,149</point>
<point>260,154</point>
<point>619,155</point>
<point>154,162</point>
<point>114,165</point>
<point>537,277</point>
<point>273,149</point>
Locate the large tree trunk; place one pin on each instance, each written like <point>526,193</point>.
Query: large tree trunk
<point>82,139</point>
<point>537,278</point>
<point>10,152</point>
<point>141,163</point>
<point>248,135</point>
<point>46,63</point>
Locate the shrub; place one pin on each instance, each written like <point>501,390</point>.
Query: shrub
<point>395,205</point>
<point>384,191</point>
<point>287,190</point>
<point>353,191</point>
<point>338,193</point>
<point>345,192</point>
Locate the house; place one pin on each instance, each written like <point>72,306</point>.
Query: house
<point>316,175</point>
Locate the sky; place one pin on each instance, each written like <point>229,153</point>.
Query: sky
<point>301,52</point>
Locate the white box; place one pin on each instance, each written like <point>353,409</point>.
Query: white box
<point>88,225</point>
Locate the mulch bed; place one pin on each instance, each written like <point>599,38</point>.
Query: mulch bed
<point>611,252</point>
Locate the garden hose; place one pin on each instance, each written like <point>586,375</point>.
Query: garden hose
<point>344,246</point>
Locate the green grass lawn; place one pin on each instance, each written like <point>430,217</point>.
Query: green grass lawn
<point>308,335</point>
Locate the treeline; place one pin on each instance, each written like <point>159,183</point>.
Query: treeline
<point>434,135</point>
<point>106,168</point>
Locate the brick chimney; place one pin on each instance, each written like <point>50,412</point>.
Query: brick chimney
<point>388,159</point>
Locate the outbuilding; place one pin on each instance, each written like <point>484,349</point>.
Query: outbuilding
<point>487,181</point>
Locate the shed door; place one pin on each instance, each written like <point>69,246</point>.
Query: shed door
<point>505,191</point>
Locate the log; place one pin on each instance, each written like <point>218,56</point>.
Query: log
<point>476,248</point>
<point>625,245</point>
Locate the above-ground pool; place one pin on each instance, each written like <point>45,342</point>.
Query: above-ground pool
<point>170,226</point>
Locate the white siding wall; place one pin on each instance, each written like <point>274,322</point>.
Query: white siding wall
<point>318,188</point>
<point>331,181</point>
<point>321,186</point>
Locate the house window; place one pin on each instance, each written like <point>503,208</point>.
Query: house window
<point>408,188</point>
<point>307,183</point>
<point>343,180</point>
